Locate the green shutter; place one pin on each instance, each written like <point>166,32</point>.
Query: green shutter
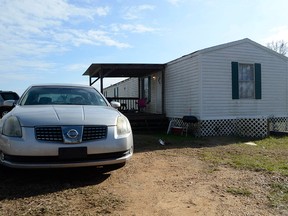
<point>235,83</point>
<point>258,81</point>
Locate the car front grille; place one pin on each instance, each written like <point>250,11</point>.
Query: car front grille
<point>94,133</point>
<point>55,134</point>
<point>49,134</point>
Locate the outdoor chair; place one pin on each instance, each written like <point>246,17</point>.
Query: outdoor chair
<point>142,103</point>
<point>181,127</point>
<point>177,127</point>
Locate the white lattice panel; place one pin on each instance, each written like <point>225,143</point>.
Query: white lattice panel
<point>223,127</point>
<point>252,127</point>
<point>279,124</point>
<point>246,127</point>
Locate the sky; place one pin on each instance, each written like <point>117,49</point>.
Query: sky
<point>55,41</point>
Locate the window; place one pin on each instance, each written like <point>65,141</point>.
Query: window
<point>246,81</point>
<point>62,96</point>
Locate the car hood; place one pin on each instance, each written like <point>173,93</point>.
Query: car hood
<point>30,116</point>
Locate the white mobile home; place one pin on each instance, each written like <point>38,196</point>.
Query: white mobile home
<point>235,88</point>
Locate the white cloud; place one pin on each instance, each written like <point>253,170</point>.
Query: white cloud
<point>135,12</point>
<point>17,12</point>
<point>102,37</point>
<point>91,37</point>
<point>134,28</point>
<point>175,2</point>
<point>35,28</point>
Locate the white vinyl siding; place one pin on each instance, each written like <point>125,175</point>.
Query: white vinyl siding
<point>200,84</point>
<point>182,87</point>
<point>217,88</point>
<point>126,88</point>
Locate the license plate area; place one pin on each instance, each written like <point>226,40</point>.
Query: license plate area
<point>72,153</point>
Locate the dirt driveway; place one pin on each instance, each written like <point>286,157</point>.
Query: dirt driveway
<point>159,180</point>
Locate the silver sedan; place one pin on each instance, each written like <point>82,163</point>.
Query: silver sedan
<point>58,126</point>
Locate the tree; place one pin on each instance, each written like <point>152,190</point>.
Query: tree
<point>278,46</point>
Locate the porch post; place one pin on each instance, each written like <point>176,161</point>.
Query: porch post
<point>163,90</point>
<point>101,81</point>
<point>139,87</point>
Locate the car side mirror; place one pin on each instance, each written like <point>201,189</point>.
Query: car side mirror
<point>9,103</point>
<point>115,104</point>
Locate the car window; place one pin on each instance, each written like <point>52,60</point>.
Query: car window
<point>62,95</point>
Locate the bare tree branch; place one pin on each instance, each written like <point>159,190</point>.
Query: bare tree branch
<point>278,46</point>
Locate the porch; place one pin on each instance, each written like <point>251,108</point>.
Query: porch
<point>132,107</point>
<point>147,122</point>
<point>139,119</point>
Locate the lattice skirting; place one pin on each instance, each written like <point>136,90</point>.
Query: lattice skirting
<point>246,127</point>
<point>279,124</point>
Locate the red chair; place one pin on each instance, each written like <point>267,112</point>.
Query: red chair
<point>142,103</point>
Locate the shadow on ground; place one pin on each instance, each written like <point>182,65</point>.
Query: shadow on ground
<point>20,183</point>
<point>153,142</point>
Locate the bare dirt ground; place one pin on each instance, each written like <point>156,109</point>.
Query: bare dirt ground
<point>160,180</point>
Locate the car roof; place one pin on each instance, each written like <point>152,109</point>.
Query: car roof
<point>60,85</point>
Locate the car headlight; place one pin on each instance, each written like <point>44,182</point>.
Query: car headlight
<point>11,127</point>
<point>123,125</point>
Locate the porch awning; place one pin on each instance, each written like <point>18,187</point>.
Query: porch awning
<point>122,70</point>
<point>100,71</point>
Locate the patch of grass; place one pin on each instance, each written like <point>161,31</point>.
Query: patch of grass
<point>239,191</point>
<point>269,155</point>
<point>279,195</point>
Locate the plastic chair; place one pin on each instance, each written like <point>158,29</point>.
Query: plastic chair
<point>142,103</point>
<point>183,126</point>
<point>177,127</point>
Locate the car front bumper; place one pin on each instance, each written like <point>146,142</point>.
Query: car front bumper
<point>65,162</point>
<point>27,152</point>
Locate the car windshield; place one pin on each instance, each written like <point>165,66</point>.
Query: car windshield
<point>39,95</point>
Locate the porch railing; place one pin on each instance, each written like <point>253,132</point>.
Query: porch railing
<point>128,104</point>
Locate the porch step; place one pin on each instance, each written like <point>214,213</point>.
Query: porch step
<point>148,122</point>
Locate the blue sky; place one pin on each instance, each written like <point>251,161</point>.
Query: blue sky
<point>55,41</point>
